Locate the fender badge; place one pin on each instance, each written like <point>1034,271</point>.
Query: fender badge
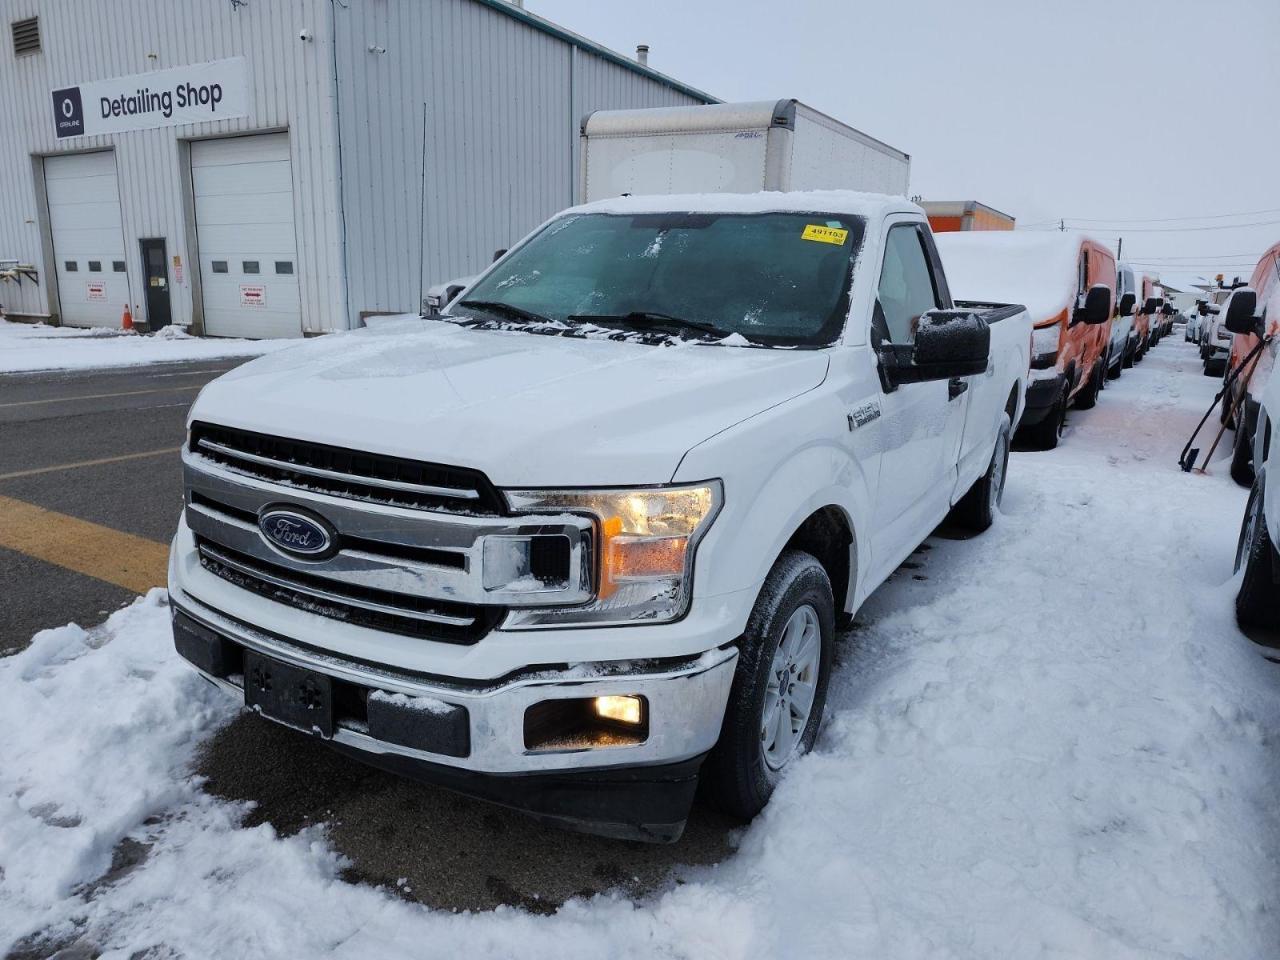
<point>864,414</point>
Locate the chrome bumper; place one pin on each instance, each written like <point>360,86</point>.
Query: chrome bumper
<point>686,702</point>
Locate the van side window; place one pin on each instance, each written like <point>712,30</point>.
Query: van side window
<point>907,287</point>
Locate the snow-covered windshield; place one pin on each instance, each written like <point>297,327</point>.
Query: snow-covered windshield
<point>773,278</point>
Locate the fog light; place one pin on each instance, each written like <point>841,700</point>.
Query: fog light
<point>621,709</point>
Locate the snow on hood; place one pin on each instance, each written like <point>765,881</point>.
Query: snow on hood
<point>1035,269</point>
<point>526,409</point>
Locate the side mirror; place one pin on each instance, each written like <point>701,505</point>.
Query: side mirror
<point>1097,306</point>
<point>1167,310</point>
<point>1240,310</point>
<point>499,254</point>
<point>1127,303</point>
<point>1149,307</point>
<point>1213,308</point>
<point>949,344</point>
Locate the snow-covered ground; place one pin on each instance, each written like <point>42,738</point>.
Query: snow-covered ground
<point>26,347</point>
<point>1048,741</point>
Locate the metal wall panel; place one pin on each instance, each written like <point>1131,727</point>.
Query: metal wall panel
<point>292,88</point>
<point>503,101</point>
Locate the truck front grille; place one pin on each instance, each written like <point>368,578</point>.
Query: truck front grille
<point>352,474</point>
<point>375,609</point>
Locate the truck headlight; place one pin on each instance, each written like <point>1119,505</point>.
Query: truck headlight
<point>645,541</point>
<point>1044,346</point>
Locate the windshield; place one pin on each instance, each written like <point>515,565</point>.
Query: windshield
<point>773,278</point>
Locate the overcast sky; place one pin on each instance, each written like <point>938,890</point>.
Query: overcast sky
<point>1102,109</point>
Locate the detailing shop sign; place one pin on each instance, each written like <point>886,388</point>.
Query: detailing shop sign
<point>162,98</point>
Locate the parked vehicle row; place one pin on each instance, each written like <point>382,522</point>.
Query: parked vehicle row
<point>1092,317</point>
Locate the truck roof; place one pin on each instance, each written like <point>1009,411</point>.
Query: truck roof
<point>869,205</point>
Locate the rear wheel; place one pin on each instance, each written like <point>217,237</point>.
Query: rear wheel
<point>1113,372</point>
<point>1242,455</point>
<point>977,509</point>
<point>1258,602</point>
<point>779,687</point>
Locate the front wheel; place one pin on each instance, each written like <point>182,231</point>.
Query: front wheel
<point>1258,602</point>
<point>1087,398</point>
<point>1242,454</point>
<point>1046,434</point>
<point>779,687</point>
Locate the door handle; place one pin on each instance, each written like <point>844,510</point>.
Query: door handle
<point>955,387</point>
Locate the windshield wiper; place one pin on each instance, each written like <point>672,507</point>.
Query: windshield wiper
<point>644,319</point>
<point>507,310</point>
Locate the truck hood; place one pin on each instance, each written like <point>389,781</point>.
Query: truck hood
<point>526,409</point>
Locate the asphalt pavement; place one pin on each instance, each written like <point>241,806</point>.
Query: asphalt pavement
<point>90,493</point>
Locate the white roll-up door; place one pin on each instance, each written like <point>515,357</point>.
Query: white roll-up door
<point>88,240</point>
<point>243,190</point>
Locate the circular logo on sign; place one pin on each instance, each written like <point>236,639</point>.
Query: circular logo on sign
<point>68,108</point>
<point>293,532</point>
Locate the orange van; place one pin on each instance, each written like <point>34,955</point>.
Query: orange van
<point>1242,404</point>
<point>1145,318</point>
<point>1067,282</point>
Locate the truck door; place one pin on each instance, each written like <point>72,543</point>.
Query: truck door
<point>920,423</point>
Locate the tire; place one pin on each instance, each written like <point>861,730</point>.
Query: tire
<point>796,606</point>
<point>1129,351</point>
<point>1242,455</point>
<point>1046,434</point>
<point>1087,398</point>
<point>977,509</point>
<point>1113,373</point>
<point>1258,602</point>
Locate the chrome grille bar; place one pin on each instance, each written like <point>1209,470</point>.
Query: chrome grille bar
<point>368,481</point>
<point>337,598</point>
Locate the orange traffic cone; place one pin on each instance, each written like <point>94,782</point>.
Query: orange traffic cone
<point>126,322</point>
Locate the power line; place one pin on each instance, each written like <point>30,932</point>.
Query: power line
<point>1220,226</point>
<point>1206,216</point>
<point>1206,257</point>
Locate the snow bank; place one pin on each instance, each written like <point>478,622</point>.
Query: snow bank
<point>1034,268</point>
<point>26,347</point>
<point>1056,745</point>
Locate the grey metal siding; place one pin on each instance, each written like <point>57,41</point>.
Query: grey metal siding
<point>502,113</point>
<point>291,90</point>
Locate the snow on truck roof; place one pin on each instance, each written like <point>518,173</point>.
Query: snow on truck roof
<point>869,205</point>
<point>1035,269</point>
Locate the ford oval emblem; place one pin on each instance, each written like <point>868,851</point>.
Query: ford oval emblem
<point>295,533</point>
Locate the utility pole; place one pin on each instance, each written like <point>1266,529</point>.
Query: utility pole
<point>1119,247</point>
<point>1062,226</point>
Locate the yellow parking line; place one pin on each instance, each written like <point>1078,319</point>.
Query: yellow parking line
<point>87,463</point>
<point>102,396</point>
<point>134,563</point>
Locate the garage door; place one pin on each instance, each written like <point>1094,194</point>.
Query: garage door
<point>88,241</point>
<point>243,190</point>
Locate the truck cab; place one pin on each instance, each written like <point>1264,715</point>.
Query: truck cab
<point>585,539</point>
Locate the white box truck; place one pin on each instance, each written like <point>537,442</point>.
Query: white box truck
<point>732,148</point>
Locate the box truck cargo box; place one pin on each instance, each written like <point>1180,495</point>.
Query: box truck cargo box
<point>732,148</point>
<point>950,216</point>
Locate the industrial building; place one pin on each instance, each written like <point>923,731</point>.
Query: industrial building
<point>260,169</point>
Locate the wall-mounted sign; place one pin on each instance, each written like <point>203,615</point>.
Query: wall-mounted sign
<point>177,269</point>
<point>162,98</point>
<point>253,295</point>
<point>95,290</point>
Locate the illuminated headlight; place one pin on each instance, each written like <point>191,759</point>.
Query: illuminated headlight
<point>1044,346</point>
<point>645,541</point>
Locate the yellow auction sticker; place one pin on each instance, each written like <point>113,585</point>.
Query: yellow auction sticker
<point>824,234</point>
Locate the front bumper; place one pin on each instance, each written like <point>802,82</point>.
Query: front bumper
<point>1043,393</point>
<point>478,745</point>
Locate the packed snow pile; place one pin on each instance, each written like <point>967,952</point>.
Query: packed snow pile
<point>26,347</point>
<point>1047,741</point>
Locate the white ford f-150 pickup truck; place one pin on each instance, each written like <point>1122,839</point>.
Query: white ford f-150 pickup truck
<point>588,536</point>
